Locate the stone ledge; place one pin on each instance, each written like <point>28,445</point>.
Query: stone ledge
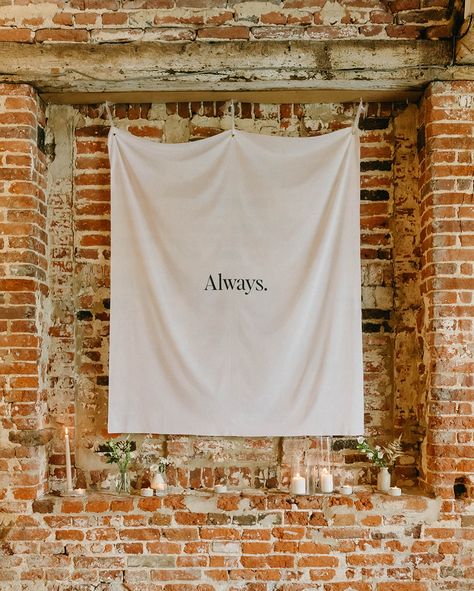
<point>31,437</point>
<point>363,501</point>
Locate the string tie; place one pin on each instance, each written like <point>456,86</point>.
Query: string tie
<point>361,110</point>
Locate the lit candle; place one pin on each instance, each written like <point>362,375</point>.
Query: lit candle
<point>146,492</point>
<point>298,485</point>
<point>327,485</point>
<point>220,488</point>
<point>68,462</point>
<point>346,489</point>
<point>394,491</point>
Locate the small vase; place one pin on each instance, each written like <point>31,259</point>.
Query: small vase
<point>383,480</point>
<point>122,482</point>
<point>158,483</point>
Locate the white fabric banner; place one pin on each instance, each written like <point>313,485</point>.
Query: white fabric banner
<point>236,286</point>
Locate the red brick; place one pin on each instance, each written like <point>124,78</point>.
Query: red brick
<point>70,534</point>
<point>97,505</point>
<point>402,586</point>
<point>16,35</point>
<point>236,32</point>
<point>61,35</point>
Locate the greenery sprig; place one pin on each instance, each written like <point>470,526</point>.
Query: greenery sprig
<point>161,465</point>
<point>382,457</point>
<point>118,451</point>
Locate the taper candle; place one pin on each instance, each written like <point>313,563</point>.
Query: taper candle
<point>68,462</point>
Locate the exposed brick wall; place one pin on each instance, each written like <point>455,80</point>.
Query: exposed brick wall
<point>248,542</point>
<point>446,142</point>
<point>417,361</point>
<point>80,253</point>
<point>98,21</point>
<point>23,293</point>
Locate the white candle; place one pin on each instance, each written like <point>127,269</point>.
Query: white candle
<point>327,484</point>
<point>220,488</point>
<point>298,485</point>
<point>79,492</point>
<point>68,462</point>
<point>346,489</point>
<point>146,492</point>
<point>394,491</point>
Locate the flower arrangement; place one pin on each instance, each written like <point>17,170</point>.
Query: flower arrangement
<point>161,465</point>
<point>382,457</point>
<point>120,452</point>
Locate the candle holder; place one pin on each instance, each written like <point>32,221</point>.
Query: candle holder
<point>298,480</point>
<point>326,480</point>
<point>75,492</point>
<point>313,461</point>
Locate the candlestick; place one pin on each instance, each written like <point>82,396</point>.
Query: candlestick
<point>68,462</point>
<point>298,485</point>
<point>327,484</point>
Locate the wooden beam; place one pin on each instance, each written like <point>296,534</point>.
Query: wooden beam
<point>228,67</point>
<point>276,96</point>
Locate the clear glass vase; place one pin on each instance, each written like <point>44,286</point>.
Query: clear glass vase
<point>122,481</point>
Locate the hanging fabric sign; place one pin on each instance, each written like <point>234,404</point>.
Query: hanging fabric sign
<point>236,286</point>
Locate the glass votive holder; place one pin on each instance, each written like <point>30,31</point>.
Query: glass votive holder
<point>312,477</point>
<point>298,479</point>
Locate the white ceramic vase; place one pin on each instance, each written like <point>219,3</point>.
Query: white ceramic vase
<point>158,483</point>
<point>383,480</point>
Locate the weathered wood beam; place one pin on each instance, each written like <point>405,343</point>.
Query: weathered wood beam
<point>230,67</point>
<point>274,95</point>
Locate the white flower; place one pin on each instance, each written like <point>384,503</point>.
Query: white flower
<point>360,440</point>
<point>380,454</point>
<point>377,447</point>
<point>370,455</point>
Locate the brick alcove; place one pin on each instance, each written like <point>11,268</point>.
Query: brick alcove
<point>416,216</point>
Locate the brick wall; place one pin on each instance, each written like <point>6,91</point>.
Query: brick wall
<point>23,293</point>
<point>446,142</point>
<point>417,318</point>
<point>80,252</point>
<point>168,21</point>
<point>241,542</point>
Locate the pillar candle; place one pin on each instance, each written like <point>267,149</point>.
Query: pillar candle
<point>298,485</point>
<point>68,462</point>
<point>327,484</point>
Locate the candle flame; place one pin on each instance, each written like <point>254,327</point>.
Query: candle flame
<point>66,430</point>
